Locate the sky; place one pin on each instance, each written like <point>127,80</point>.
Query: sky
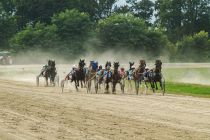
<point>122,2</point>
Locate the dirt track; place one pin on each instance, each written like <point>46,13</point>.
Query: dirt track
<point>29,112</point>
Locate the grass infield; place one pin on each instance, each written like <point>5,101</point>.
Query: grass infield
<point>188,89</point>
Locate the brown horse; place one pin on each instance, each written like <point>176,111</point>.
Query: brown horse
<point>139,75</point>
<point>76,75</point>
<point>117,78</point>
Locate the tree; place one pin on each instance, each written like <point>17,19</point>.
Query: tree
<point>124,31</point>
<point>143,9</point>
<point>194,47</point>
<point>7,27</point>
<point>37,37</point>
<point>66,35</point>
<point>122,9</point>
<point>183,17</point>
<point>72,25</point>
<point>30,11</point>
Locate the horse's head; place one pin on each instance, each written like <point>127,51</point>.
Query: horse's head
<point>131,64</point>
<point>81,63</point>
<point>158,64</point>
<point>142,65</point>
<point>51,63</point>
<point>108,63</point>
<point>116,65</point>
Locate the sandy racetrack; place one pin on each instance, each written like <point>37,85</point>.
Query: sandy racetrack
<point>29,112</point>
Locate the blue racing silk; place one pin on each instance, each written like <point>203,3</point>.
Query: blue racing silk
<point>107,74</point>
<point>130,74</point>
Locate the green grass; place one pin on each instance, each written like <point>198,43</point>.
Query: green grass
<point>188,89</point>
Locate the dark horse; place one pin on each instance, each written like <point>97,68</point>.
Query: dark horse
<point>107,75</point>
<point>48,71</point>
<point>139,75</point>
<point>116,78</point>
<point>79,74</point>
<point>156,76</point>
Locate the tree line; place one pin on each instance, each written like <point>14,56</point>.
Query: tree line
<point>178,28</point>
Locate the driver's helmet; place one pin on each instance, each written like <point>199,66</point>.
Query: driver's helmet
<point>133,67</point>
<point>74,67</point>
<point>91,62</point>
<point>85,67</point>
<point>122,68</point>
<point>46,65</point>
<point>146,68</point>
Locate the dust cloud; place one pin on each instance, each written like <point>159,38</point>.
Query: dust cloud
<point>27,65</point>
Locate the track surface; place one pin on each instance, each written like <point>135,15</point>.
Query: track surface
<point>30,112</point>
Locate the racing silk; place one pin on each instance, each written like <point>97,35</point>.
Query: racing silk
<point>130,74</point>
<point>107,74</point>
<point>44,68</point>
<point>122,73</point>
<point>99,72</point>
<point>94,65</point>
<point>70,75</point>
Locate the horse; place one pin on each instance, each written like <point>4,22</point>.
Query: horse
<point>79,74</point>
<point>156,76</point>
<point>117,78</point>
<point>139,75</point>
<point>107,75</point>
<point>129,75</point>
<point>48,72</point>
<point>91,74</point>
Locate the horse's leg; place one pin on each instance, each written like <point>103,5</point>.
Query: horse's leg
<point>81,82</point>
<point>62,84</point>
<point>46,80</point>
<point>137,87</point>
<point>146,87</point>
<point>37,80</point>
<point>107,87</point>
<point>122,85</point>
<point>152,83</point>
<point>129,86</point>
<point>161,85</point>
<point>76,84</point>
<point>89,86</point>
<point>156,85</point>
<point>140,85</point>
<point>113,87</point>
